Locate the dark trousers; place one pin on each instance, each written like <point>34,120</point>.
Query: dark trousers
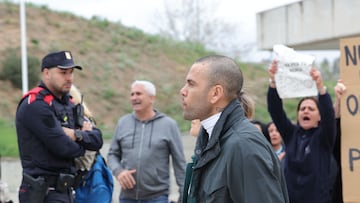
<point>56,197</point>
<point>52,196</point>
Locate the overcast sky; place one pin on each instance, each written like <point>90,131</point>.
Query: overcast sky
<point>141,13</point>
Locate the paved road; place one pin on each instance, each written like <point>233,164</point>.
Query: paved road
<point>11,171</point>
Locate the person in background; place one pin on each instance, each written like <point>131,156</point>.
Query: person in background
<point>309,165</point>
<point>233,160</point>
<point>248,104</point>
<point>195,127</point>
<point>141,147</point>
<point>84,191</point>
<point>85,162</point>
<point>49,139</point>
<point>276,140</point>
<point>262,128</point>
<point>339,90</point>
<point>258,124</point>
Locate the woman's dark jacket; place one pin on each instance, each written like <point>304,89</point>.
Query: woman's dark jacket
<point>309,165</point>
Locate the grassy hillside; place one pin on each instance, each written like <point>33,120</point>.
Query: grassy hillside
<point>112,56</point>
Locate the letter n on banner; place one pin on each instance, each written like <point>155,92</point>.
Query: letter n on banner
<point>350,118</point>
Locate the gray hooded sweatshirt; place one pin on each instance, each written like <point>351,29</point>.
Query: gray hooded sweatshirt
<point>146,146</point>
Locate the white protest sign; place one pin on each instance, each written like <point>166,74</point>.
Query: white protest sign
<point>293,75</point>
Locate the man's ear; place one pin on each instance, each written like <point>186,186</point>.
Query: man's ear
<point>216,93</point>
<point>46,73</point>
<point>152,99</point>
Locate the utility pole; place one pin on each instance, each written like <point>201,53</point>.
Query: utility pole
<point>24,65</point>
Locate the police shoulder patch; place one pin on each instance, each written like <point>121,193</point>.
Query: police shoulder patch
<point>38,92</point>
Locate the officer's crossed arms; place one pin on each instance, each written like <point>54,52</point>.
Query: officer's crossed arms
<point>71,133</point>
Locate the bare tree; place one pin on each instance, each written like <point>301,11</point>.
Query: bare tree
<point>196,21</point>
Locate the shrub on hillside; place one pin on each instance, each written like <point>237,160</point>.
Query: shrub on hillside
<point>11,69</point>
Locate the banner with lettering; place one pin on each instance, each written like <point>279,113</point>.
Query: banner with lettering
<point>350,118</point>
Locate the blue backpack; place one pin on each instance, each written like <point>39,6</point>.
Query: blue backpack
<point>98,184</point>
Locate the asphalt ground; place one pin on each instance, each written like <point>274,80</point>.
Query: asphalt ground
<point>11,171</point>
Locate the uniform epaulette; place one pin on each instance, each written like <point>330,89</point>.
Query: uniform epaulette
<point>33,94</point>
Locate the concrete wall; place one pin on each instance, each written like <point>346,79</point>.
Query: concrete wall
<point>309,24</point>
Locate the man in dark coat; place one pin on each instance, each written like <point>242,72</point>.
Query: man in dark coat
<point>233,160</point>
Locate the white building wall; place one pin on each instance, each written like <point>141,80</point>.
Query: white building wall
<point>309,24</point>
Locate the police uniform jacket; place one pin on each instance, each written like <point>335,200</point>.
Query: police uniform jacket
<point>44,147</point>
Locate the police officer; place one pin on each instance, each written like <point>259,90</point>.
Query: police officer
<point>48,138</point>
